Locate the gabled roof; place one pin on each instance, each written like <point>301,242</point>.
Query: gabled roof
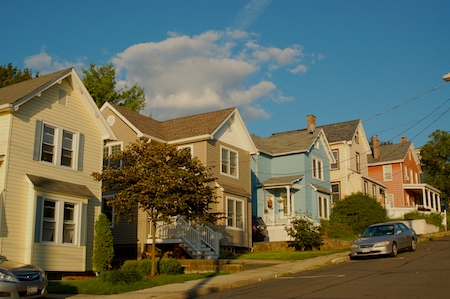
<point>184,129</point>
<point>284,143</point>
<point>391,153</point>
<point>341,131</point>
<point>13,96</point>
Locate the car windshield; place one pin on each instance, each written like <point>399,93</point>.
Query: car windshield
<point>380,230</point>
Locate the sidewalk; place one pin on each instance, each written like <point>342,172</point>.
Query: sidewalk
<point>193,288</point>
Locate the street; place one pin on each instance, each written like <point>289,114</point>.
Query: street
<point>420,274</point>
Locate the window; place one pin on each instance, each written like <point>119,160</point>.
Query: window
<point>323,207</point>
<point>189,148</point>
<point>358,163</point>
<point>335,192</point>
<point>374,191</point>
<point>58,146</point>
<point>235,213</point>
<point>287,206</point>
<point>366,187</point>
<point>108,211</point>
<point>317,169</point>
<point>336,157</point>
<point>59,221</point>
<point>229,161</point>
<point>111,150</point>
<point>387,172</point>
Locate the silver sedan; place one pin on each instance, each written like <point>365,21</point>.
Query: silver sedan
<point>384,239</point>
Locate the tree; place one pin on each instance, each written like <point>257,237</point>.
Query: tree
<point>10,74</point>
<point>103,245</point>
<point>160,180</point>
<point>435,162</point>
<point>101,84</point>
<point>357,211</point>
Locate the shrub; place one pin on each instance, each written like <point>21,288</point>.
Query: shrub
<point>307,234</point>
<point>169,266</point>
<point>144,266</point>
<point>103,252</point>
<point>340,230</point>
<point>357,211</point>
<point>121,276</point>
<point>430,218</point>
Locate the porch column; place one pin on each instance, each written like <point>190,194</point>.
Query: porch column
<point>438,198</point>
<point>424,198</point>
<point>288,200</point>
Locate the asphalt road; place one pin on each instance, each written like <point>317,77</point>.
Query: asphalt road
<point>422,274</point>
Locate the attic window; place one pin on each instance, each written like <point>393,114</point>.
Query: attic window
<point>62,97</point>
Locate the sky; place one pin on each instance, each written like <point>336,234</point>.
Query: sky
<point>276,61</point>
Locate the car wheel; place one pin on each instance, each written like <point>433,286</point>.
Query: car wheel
<point>394,250</point>
<point>413,245</point>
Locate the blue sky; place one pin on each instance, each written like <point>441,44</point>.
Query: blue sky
<point>276,61</point>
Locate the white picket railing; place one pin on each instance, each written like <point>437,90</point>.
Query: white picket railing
<point>193,236</point>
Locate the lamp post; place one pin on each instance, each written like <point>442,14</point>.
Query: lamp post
<point>446,77</point>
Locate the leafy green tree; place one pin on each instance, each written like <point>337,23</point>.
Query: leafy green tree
<point>357,211</point>
<point>160,180</point>
<point>103,245</point>
<point>10,74</point>
<point>306,233</point>
<point>101,84</point>
<point>435,161</point>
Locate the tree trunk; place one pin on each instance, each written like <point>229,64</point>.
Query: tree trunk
<point>153,249</point>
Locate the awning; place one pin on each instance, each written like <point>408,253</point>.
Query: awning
<point>55,186</point>
<point>321,189</point>
<point>281,182</point>
<point>234,190</point>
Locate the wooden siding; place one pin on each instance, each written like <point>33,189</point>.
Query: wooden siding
<point>20,199</point>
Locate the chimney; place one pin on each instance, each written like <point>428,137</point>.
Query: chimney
<point>403,139</point>
<point>311,123</point>
<point>376,147</point>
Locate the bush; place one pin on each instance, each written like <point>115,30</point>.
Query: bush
<point>103,252</point>
<point>169,266</point>
<point>430,218</point>
<point>143,266</point>
<point>307,234</point>
<point>340,230</point>
<point>357,211</point>
<point>121,276</point>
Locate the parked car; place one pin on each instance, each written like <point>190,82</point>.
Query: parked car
<point>384,239</point>
<point>21,281</point>
<point>259,230</point>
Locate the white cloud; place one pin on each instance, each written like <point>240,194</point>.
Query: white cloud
<point>184,75</point>
<point>45,63</point>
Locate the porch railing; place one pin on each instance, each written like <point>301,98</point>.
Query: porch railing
<point>195,237</point>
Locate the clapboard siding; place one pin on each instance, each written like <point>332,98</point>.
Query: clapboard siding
<point>18,231</point>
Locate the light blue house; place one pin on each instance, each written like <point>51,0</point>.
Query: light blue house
<point>291,177</point>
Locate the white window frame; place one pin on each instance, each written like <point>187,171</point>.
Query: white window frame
<point>58,150</point>
<point>317,167</point>
<point>338,193</point>
<point>335,154</point>
<point>233,206</point>
<point>109,147</point>
<point>323,207</point>
<point>226,162</point>
<point>190,147</point>
<point>59,221</point>
<point>358,162</point>
<point>387,172</point>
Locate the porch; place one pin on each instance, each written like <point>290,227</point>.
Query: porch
<point>199,241</point>
<point>424,197</point>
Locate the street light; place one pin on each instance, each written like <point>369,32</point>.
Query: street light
<point>446,77</point>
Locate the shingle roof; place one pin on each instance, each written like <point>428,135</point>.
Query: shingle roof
<point>391,152</point>
<point>285,180</point>
<point>286,142</point>
<point>340,131</point>
<point>12,93</point>
<point>179,128</point>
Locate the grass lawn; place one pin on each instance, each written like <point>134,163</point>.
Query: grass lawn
<point>96,287</point>
<point>286,255</point>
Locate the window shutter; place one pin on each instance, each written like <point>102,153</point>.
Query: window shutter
<point>38,224</point>
<point>80,152</point>
<point>83,227</point>
<point>37,140</point>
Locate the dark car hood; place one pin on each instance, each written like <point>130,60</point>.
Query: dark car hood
<point>14,266</point>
